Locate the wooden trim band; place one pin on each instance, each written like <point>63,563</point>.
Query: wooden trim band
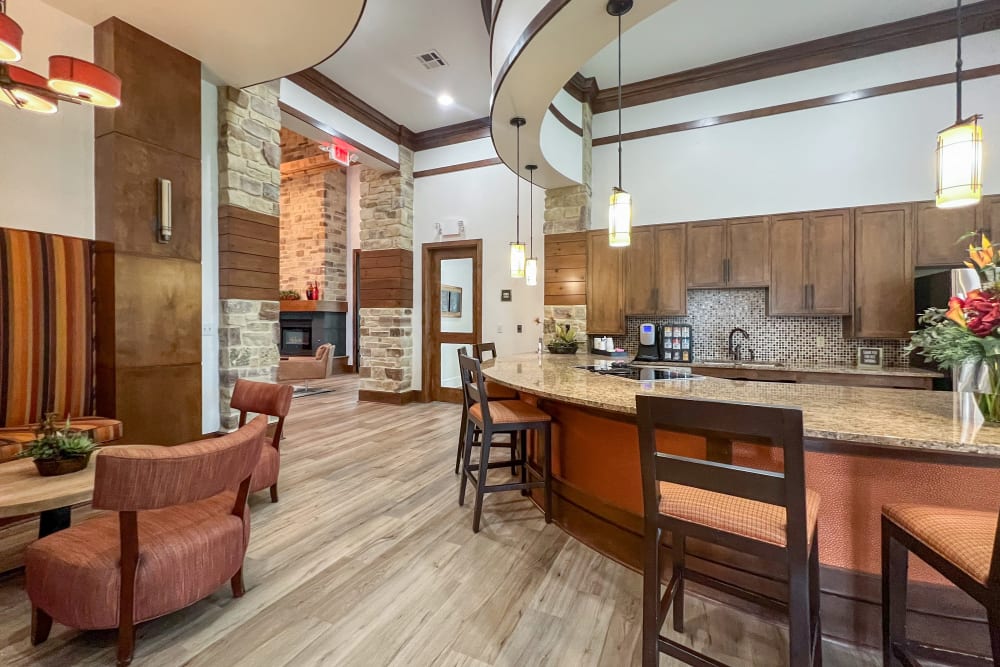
<point>389,397</point>
<point>583,88</point>
<point>908,33</point>
<point>323,127</point>
<point>458,133</point>
<point>551,8</point>
<point>813,103</point>
<point>457,167</point>
<point>561,117</point>
<point>337,96</point>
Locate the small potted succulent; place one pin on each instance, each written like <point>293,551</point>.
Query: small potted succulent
<point>564,341</point>
<point>289,295</point>
<point>58,451</point>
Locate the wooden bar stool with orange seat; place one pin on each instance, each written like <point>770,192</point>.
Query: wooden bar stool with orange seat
<point>770,515</point>
<point>496,392</point>
<point>962,546</point>
<point>492,417</point>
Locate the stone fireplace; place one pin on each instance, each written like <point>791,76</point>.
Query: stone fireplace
<point>303,332</point>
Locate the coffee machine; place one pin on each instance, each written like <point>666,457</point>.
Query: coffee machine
<point>650,343</point>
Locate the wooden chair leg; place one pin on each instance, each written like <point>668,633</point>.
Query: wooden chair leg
<point>799,625</point>
<point>470,429</point>
<point>274,492</point>
<point>548,471</point>
<point>678,564</point>
<point>484,467</point>
<point>126,642</point>
<point>461,438</point>
<point>993,618</point>
<point>237,584</point>
<point>816,626</point>
<point>523,442</point>
<point>41,625</point>
<point>895,561</point>
<point>651,598</point>
<point>514,438</point>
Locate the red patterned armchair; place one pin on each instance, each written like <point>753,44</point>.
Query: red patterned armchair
<point>180,530</point>
<point>273,400</point>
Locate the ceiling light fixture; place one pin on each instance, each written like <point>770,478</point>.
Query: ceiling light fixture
<point>531,264</point>
<point>960,149</point>
<point>517,253</point>
<point>620,207</point>
<point>445,100</point>
<point>70,79</point>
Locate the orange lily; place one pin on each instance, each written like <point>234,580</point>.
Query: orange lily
<point>955,312</point>
<point>982,256</point>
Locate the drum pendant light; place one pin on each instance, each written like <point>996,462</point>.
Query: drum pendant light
<point>10,37</point>
<point>620,208</point>
<point>531,264</point>
<point>517,250</point>
<point>960,149</point>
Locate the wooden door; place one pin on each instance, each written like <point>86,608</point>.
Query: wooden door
<point>748,252</point>
<point>706,254</point>
<point>640,273</point>
<point>605,285</point>
<point>938,231</point>
<point>452,313</point>
<point>883,281</point>
<point>829,263</point>
<point>787,295</point>
<point>671,280</point>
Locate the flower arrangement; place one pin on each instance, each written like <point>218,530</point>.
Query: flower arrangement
<point>56,450</point>
<point>968,331</point>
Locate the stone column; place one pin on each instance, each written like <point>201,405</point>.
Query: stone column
<point>386,312</point>
<point>249,177</point>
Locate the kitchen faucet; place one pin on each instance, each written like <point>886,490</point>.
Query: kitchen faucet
<point>736,349</point>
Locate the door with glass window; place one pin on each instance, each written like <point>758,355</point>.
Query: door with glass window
<point>452,313</point>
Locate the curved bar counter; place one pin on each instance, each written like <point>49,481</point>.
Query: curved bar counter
<point>864,447</point>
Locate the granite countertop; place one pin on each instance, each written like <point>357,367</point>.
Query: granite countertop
<point>903,418</point>
<point>795,367</point>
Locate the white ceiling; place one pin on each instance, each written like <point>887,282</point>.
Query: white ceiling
<point>242,42</point>
<point>693,33</point>
<point>378,64</point>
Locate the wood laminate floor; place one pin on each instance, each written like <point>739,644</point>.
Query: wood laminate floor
<point>368,560</point>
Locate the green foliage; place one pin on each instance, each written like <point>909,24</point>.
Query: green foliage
<point>946,343</point>
<point>289,295</point>
<point>565,334</point>
<point>53,443</point>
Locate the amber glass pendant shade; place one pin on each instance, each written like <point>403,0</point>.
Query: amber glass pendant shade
<point>518,256</point>
<point>620,219</point>
<point>531,271</point>
<point>960,165</point>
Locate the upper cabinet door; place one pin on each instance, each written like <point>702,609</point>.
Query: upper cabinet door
<point>706,254</point>
<point>883,282</point>
<point>829,264</point>
<point>787,295</point>
<point>939,230</point>
<point>605,285</point>
<point>749,253</point>
<point>671,283</point>
<point>991,216</point>
<point>640,273</point>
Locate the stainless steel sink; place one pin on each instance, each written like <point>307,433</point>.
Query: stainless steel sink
<point>726,363</point>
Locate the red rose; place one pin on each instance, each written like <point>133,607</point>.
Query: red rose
<point>982,313</point>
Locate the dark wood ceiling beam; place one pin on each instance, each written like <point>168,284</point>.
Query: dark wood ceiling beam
<point>583,88</point>
<point>908,33</point>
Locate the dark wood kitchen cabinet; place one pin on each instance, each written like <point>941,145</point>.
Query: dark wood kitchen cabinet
<point>655,282</point>
<point>728,253</point>
<point>937,231</point>
<point>811,263</point>
<point>883,274</point>
<point>991,217</point>
<point>605,285</point>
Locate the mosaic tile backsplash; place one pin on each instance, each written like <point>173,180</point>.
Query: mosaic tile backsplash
<point>712,314</point>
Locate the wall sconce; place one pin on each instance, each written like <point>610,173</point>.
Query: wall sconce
<point>165,223</point>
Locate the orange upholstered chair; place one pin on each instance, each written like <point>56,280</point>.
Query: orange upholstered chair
<point>274,400</point>
<point>317,367</point>
<point>180,531</point>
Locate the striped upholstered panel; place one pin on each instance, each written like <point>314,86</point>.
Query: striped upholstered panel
<point>46,326</point>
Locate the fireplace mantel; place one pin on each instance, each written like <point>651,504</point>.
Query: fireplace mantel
<point>307,306</point>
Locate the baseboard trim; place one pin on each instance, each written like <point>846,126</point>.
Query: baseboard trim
<point>388,397</point>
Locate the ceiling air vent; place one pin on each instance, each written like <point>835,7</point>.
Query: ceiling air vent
<point>431,60</point>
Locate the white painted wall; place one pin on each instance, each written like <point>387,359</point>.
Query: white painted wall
<point>210,419</point>
<point>873,151</point>
<point>47,170</point>
<point>484,199</point>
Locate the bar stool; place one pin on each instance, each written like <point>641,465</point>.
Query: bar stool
<point>494,391</point>
<point>768,514</point>
<point>961,545</point>
<point>493,417</point>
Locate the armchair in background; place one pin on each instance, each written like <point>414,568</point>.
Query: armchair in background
<point>318,367</point>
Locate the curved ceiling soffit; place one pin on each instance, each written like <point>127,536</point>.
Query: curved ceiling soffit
<point>240,42</point>
<point>563,36</point>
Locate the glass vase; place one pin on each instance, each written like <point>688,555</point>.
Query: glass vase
<point>987,389</point>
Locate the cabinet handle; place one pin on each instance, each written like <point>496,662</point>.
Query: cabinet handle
<point>812,297</point>
<point>857,321</point>
<point>728,270</point>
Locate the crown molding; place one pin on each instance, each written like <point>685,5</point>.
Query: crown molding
<point>478,128</point>
<point>582,88</point>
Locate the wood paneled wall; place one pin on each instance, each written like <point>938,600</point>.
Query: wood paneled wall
<point>386,278</point>
<point>148,293</point>
<point>248,254</point>
<point>566,269</point>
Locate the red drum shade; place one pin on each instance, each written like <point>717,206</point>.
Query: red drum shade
<point>10,39</point>
<point>84,81</point>
<point>27,98</point>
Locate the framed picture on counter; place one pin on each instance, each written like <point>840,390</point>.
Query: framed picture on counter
<point>869,357</point>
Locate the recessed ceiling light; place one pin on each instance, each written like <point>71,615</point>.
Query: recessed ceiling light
<point>445,100</point>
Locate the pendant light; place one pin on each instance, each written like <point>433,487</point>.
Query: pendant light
<point>10,37</point>
<point>960,149</point>
<point>517,250</point>
<point>531,264</point>
<point>620,208</point>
